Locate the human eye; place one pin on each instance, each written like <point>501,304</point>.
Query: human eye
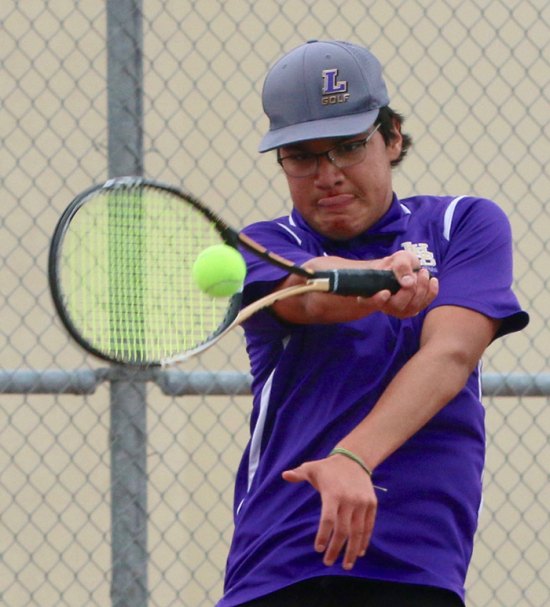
<point>349,148</point>
<point>299,157</point>
<point>298,163</point>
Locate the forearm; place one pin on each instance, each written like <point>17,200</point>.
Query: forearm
<point>417,291</point>
<point>322,308</point>
<point>429,380</point>
<point>419,391</point>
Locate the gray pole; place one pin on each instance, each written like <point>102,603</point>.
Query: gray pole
<point>125,87</point>
<point>128,435</point>
<point>128,439</point>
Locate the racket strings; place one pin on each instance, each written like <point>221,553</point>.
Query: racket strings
<point>126,273</point>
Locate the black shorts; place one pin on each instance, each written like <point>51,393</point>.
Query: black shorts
<point>340,591</point>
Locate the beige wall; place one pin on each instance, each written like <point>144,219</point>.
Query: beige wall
<point>471,77</point>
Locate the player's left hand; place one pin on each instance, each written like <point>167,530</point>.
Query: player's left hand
<point>348,509</point>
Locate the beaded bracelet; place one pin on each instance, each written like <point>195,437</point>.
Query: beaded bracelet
<point>352,456</point>
<point>349,454</point>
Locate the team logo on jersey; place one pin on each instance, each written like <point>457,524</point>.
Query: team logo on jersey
<point>420,250</point>
<point>334,90</point>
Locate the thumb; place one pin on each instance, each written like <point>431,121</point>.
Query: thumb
<point>294,476</point>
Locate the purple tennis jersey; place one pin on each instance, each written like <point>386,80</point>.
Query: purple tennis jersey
<point>312,384</point>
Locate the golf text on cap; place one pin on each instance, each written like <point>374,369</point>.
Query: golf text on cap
<point>334,90</point>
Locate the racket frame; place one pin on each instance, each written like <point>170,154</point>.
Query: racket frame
<point>345,282</point>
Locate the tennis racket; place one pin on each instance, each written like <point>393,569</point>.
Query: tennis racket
<point>120,274</point>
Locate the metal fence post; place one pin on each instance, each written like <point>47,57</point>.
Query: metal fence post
<point>128,440</point>
<point>135,499</point>
<point>128,435</point>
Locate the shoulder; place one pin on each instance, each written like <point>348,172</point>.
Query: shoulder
<point>286,233</point>
<point>282,227</point>
<point>430,204</point>
<point>281,237</point>
<point>453,213</point>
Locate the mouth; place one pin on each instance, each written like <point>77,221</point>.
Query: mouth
<point>336,202</point>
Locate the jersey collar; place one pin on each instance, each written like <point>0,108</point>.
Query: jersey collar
<point>392,223</point>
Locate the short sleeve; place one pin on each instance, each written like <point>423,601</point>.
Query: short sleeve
<point>261,275</point>
<point>477,269</point>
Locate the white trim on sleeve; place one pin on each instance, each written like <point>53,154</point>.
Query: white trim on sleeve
<point>448,218</point>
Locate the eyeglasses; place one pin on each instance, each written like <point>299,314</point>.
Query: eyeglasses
<point>343,155</point>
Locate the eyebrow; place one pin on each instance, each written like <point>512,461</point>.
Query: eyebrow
<point>336,141</point>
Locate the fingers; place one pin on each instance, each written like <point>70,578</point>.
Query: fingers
<point>411,300</point>
<point>404,264</point>
<point>348,507</point>
<point>362,525</point>
<point>340,533</point>
<point>418,287</point>
<point>294,476</point>
<point>349,526</point>
<point>418,290</point>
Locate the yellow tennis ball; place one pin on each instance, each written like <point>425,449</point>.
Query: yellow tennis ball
<point>219,270</point>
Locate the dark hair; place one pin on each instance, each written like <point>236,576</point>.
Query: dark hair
<point>390,123</point>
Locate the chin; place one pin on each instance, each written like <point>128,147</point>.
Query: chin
<point>340,234</point>
<point>339,231</point>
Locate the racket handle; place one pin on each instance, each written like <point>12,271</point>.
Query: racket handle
<point>361,282</point>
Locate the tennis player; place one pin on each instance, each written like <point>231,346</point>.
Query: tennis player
<point>362,482</point>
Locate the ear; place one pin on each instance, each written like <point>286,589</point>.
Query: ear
<point>395,145</point>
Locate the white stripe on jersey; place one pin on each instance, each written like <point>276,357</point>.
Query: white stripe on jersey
<point>256,440</point>
<point>296,238</point>
<point>448,219</point>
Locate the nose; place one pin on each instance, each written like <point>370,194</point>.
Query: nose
<point>327,175</point>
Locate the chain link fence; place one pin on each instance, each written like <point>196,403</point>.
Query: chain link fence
<point>472,79</point>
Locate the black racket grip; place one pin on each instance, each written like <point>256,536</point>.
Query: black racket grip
<point>363,283</point>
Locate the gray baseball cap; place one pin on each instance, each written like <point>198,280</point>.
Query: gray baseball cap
<point>322,89</point>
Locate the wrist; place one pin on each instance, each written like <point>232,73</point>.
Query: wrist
<point>357,459</point>
<point>353,456</point>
